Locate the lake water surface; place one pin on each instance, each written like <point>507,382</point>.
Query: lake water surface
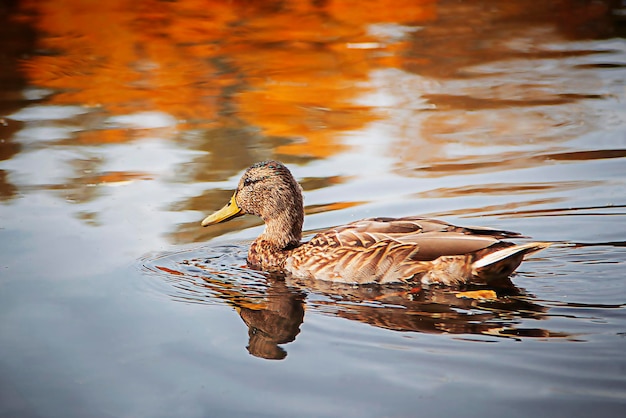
<point>123,124</point>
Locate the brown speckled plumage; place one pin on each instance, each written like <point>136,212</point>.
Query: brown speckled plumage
<point>375,250</point>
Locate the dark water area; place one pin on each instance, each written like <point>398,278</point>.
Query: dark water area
<point>123,124</point>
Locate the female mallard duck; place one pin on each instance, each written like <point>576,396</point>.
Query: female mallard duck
<point>375,250</point>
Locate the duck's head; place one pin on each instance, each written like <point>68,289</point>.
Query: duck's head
<point>268,190</point>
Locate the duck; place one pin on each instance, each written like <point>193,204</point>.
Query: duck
<point>381,250</point>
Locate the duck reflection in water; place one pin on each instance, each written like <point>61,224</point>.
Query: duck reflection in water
<point>276,322</point>
<point>273,307</point>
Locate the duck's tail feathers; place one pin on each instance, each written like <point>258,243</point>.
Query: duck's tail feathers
<point>504,261</point>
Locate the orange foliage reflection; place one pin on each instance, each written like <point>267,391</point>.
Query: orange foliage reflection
<point>305,85</point>
<point>114,54</point>
<point>292,68</point>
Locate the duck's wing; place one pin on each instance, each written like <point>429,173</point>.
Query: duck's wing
<point>432,238</point>
<point>386,249</point>
<point>409,226</point>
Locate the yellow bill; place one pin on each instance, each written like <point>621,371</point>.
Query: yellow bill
<point>230,211</point>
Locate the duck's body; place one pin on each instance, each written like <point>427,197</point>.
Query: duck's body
<point>375,250</point>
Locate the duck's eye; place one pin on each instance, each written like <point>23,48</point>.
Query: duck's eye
<point>250,181</point>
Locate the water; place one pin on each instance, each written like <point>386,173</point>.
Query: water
<point>122,126</point>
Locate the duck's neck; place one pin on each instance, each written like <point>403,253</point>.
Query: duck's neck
<point>283,231</point>
<point>282,234</point>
